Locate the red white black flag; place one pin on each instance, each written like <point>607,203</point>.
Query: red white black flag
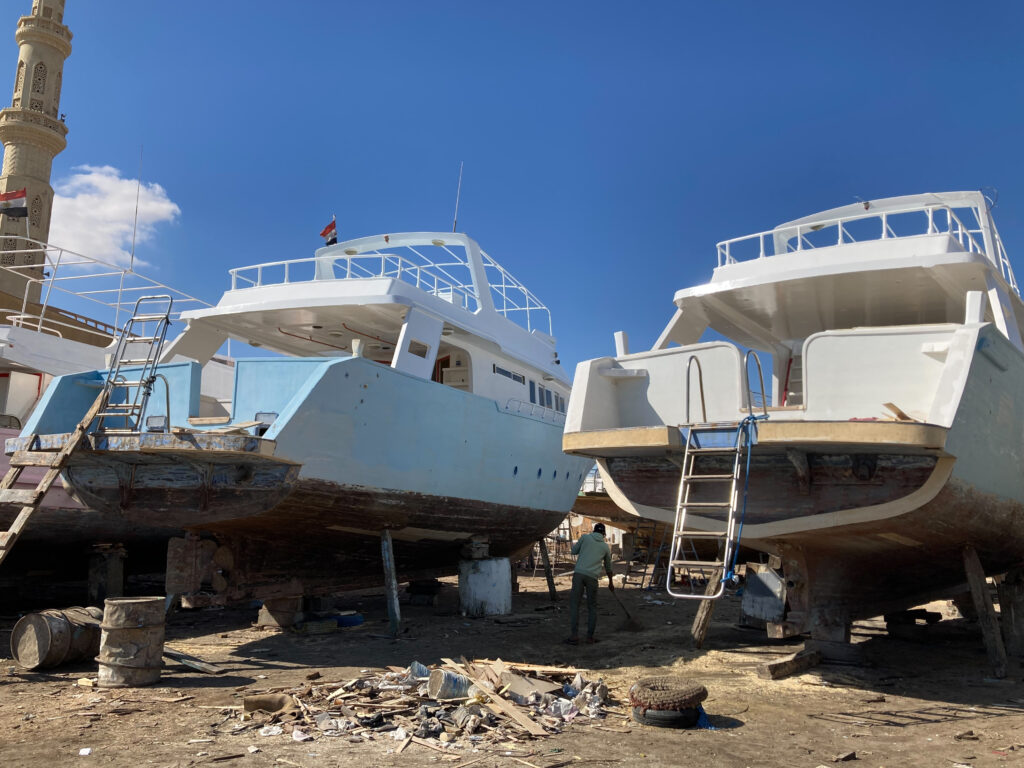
<point>14,204</point>
<point>330,232</point>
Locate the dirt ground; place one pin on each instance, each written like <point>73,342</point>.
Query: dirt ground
<point>929,701</point>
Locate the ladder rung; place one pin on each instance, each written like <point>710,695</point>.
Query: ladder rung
<point>126,384</point>
<point>729,449</point>
<point>705,504</point>
<point>122,407</point>
<point>115,415</point>
<point>136,361</point>
<point>35,459</point>
<point>708,478</point>
<point>142,339</point>
<point>148,318</point>
<point>701,535</point>
<point>697,564</point>
<point>120,431</point>
<point>24,496</point>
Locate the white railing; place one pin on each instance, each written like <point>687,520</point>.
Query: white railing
<point>535,411</point>
<point>824,233</point>
<point>62,286</point>
<point>448,276</point>
<point>359,267</point>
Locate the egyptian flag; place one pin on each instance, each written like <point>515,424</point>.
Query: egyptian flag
<point>330,233</point>
<point>14,204</point>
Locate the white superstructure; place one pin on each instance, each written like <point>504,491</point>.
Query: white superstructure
<point>891,434</point>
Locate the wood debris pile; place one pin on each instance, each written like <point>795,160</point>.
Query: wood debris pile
<point>503,702</point>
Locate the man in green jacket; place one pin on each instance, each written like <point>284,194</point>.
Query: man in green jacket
<point>592,552</point>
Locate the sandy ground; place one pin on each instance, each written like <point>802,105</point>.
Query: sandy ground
<point>910,705</point>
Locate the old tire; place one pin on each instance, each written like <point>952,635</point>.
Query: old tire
<point>666,693</point>
<point>667,718</point>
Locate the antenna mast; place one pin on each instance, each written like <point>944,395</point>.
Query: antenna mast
<point>135,224</point>
<point>458,193</point>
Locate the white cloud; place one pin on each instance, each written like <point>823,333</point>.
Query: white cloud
<point>94,212</point>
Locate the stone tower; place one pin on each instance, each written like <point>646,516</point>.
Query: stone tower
<point>32,131</point>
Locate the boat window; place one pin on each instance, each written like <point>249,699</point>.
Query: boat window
<point>516,377</point>
<point>547,398</point>
<point>533,392</point>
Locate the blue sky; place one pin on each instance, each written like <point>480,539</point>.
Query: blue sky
<point>607,146</point>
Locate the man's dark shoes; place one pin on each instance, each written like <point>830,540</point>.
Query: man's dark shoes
<point>572,641</point>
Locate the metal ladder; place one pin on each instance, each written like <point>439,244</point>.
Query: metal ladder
<point>704,438</point>
<point>55,462</point>
<point>152,314</point>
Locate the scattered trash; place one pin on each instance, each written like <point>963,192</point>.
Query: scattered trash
<point>845,756</point>
<point>253,749</point>
<point>85,751</point>
<point>86,682</point>
<point>966,736</point>
<point>497,702</point>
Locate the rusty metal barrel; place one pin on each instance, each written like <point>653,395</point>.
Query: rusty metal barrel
<point>132,642</point>
<point>54,637</point>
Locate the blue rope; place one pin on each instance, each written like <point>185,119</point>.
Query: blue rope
<point>749,423</point>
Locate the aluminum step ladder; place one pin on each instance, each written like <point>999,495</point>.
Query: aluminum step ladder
<point>138,346</point>
<point>731,441</point>
<point>56,461</point>
<point>722,496</point>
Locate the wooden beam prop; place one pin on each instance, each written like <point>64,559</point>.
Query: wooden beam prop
<point>1011,611</point>
<point>547,570</point>
<point>390,581</point>
<point>986,612</point>
<point>702,620</point>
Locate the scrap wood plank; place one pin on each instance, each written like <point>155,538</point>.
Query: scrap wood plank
<point>539,669</point>
<point>789,665</point>
<point>509,709</point>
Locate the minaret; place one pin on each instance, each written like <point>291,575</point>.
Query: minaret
<point>32,131</point>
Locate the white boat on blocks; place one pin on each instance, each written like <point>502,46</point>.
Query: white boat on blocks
<point>890,448</point>
<point>412,385</point>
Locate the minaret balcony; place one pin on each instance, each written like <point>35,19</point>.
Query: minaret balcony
<point>32,127</point>
<point>45,31</point>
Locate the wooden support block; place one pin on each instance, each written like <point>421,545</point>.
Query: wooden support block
<point>789,665</point>
<point>552,592</point>
<point>986,612</point>
<point>390,581</point>
<point>1011,611</point>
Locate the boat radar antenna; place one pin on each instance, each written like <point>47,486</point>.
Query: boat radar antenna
<point>458,193</point>
<point>135,224</point>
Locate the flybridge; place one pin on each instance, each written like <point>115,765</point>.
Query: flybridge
<point>73,288</point>
<point>447,265</point>
<point>962,216</point>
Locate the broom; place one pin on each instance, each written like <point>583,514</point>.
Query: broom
<point>630,624</point>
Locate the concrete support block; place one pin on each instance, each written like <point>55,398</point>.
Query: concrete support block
<point>281,612</point>
<point>485,587</point>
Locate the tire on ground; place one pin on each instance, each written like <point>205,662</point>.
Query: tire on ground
<point>665,692</point>
<point>667,718</point>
